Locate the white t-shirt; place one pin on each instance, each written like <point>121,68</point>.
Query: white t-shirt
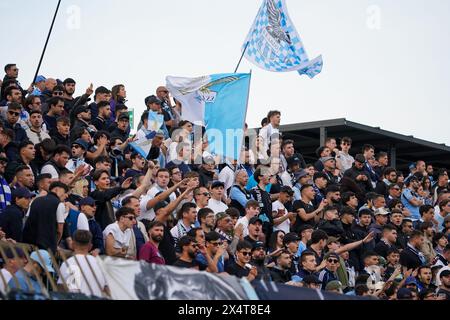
<point>48,168</point>
<point>217,206</point>
<point>61,214</point>
<point>121,238</point>
<point>7,276</point>
<point>77,279</point>
<point>244,221</point>
<point>226,175</point>
<point>82,222</point>
<point>150,214</point>
<point>286,224</point>
<point>266,133</point>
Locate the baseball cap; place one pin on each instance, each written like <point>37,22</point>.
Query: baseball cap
<point>404,294</point>
<point>124,116</point>
<point>325,159</point>
<point>257,245</point>
<point>10,253</point>
<point>300,174</point>
<point>310,278</point>
<point>410,280</point>
<point>46,262</point>
<point>81,143</point>
<point>332,239</point>
<point>381,211</point>
<point>80,109</point>
<point>360,158</point>
<point>160,205</point>
<point>88,201</point>
<point>332,255</point>
<point>21,192</point>
<point>152,99</point>
<point>444,273</point>
<point>208,160</point>
<point>291,237</point>
<point>222,215</point>
<point>255,220</point>
<point>39,79</point>
<point>217,183</point>
<point>293,160</point>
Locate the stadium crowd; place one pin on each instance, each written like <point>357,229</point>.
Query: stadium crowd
<point>73,185</point>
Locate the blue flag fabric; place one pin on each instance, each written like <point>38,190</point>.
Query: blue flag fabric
<point>273,43</point>
<point>219,103</point>
<point>155,121</point>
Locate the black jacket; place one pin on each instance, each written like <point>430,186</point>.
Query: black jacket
<point>409,258</point>
<point>11,222</point>
<point>41,226</point>
<point>353,172</point>
<point>382,248</point>
<point>19,134</point>
<point>104,214</point>
<point>332,228</point>
<point>205,177</point>
<point>281,276</point>
<point>60,139</point>
<point>10,170</point>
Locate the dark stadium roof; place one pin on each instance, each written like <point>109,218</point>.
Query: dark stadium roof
<point>402,149</point>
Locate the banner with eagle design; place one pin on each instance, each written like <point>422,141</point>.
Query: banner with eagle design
<point>273,43</point>
<point>217,102</point>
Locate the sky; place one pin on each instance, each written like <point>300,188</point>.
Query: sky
<point>386,63</point>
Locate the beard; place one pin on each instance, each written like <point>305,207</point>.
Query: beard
<point>157,238</point>
<point>191,254</point>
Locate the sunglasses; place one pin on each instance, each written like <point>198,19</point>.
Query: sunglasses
<point>58,93</point>
<point>206,194</point>
<point>246,253</point>
<point>333,260</point>
<point>16,114</point>
<point>131,217</point>
<point>76,146</point>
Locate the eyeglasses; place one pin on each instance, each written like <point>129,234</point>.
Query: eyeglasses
<point>206,194</point>
<point>216,244</point>
<point>131,217</point>
<point>333,260</point>
<point>15,114</point>
<point>58,93</point>
<point>76,146</point>
<point>246,253</point>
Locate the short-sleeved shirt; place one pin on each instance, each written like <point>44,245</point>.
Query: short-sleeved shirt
<point>308,207</point>
<point>121,238</point>
<point>201,259</point>
<point>186,264</point>
<point>236,270</point>
<point>150,214</point>
<point>150,253</point>
<point>82,279</point>
<point>217,206</point>
<point>407,195</point>
<point>286,224</point>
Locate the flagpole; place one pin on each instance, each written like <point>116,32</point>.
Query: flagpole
<point>246,109</point>
<point>243,52</point>
<point>46,42</point>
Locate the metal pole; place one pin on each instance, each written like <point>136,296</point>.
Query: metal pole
<point>243,52</point>
<point>46,42</point>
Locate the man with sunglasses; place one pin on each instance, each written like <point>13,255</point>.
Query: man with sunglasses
<point>241,267</point>
<point>213,259</point>
<point>117,235</point>
<point>163,95</point>
<point>12,122</point>
<point>389,178</point>
<point>201,194</point>
<point>344,160</point>
<point>329,273</point>
<point>189,250</point>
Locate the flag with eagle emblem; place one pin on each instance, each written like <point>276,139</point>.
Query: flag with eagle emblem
<point>273,43</point>
<point>217,102</point>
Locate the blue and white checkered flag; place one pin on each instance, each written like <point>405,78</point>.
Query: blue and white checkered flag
<point>273,44</point>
